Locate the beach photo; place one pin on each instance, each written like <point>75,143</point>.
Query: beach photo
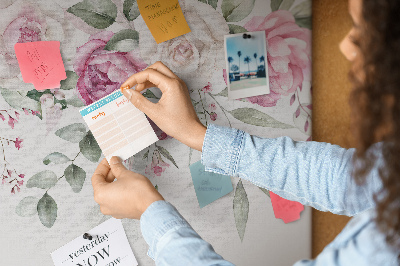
<point>246,61</point>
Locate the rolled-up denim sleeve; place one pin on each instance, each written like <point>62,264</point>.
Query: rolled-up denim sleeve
<point>312,173</point>
<point>172,241</point>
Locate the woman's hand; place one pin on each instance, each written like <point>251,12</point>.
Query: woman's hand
<point>174,113</point>
<point>128,196</point>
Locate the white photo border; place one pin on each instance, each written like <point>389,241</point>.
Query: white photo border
<point>247,92</point>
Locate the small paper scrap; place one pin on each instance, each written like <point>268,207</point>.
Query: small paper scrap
<point>164,18</point>
<point>209,186</point>
<point>288,211</point>
<point>108,246</point>
<point>41,64</point>
<point>118,126</point>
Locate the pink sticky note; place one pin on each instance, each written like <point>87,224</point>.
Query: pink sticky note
<point>286,210</point>
<point>41,64</point>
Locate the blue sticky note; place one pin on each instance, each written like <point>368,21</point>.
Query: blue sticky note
<point>209,186</point>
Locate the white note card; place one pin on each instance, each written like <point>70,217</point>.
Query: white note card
<point>109,247</point>
<point>118,126</point>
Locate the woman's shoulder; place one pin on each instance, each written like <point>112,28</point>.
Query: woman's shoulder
<point>366,242</point>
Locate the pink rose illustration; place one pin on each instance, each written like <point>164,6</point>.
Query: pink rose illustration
<point>157,166</point>
<point>289,55</point>
<point>100,71</point>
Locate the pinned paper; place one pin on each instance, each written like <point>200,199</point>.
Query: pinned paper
<point>108,246</point>
<point>288,211</point>
<point>164,18</point>
<point>41,64</point>
<point>209,186</point>
<point>118,126</point>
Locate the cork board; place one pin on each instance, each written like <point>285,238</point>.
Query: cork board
<point>331,89</point>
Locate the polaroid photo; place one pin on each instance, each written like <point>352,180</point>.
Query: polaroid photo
<point>246,64</point>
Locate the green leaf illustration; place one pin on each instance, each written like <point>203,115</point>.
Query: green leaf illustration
<point>63,103</point>
<point>304,22</point>
<point>131,9</point>
<point>212,3</point>
<point>27,206</point>
<point>75,101</point>
<point>75,177</point>
<point>156,187</point>
<point>275,4</point>
<point>73,133</point>
<point>167,155</point>
<point>240,209</point>
<point>43,180</point>
<point>123,41</point>
<point>99,14</point>
<point>236,29</point>
<point>302,10</point>
<point>266,191</point>
<point>70,82</point>
<point>257,118</point>
<point>35,95</point>
<point>47,210</point>
<point>146,154</point>
<point>224,92</point>
<point>286,4</point>
<point>56,158</point>
<point>149,94</point>
<point>16,100</point>
<point>89,147</point>
<point>236,10</point>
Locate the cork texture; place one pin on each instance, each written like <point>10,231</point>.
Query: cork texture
<point>331,109</point>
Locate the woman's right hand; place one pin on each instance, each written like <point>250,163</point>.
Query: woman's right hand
<point>174,113</point>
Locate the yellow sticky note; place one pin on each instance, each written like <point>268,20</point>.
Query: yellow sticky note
<point>164,18</point>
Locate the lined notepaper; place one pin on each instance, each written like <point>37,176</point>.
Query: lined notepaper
<point>118,126</point>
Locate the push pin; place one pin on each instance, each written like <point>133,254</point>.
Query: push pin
<point>124,88</point>
<point>87,236</point>
<point>246,36</point>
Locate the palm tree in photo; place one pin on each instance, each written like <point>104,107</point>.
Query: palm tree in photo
<point>262,59</point>
<point>247,60</point>
<point>239,55</point>
<point>230,60</point>
<point>255,58</point>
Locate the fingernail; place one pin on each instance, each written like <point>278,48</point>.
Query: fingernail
<point>128,94</point>
<point>115,160</point>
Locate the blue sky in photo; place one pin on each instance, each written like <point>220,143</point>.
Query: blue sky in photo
<point>248,47</point>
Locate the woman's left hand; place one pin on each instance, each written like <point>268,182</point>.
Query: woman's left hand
<point>128,196</point>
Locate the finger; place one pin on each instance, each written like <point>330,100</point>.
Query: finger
<point>143,86</point>
<point>119,170</point>
<point>157,78</point>
<point>160,67</point>
<point>100,174</point>
<point>110,177</point>
<point>140,102</point>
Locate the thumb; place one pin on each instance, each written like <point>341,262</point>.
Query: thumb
<point>117,167</point>
<point>138,100</point>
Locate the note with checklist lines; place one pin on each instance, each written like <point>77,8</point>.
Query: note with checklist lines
<point>118,126</point>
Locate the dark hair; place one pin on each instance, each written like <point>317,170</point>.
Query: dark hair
<point>375,102</point>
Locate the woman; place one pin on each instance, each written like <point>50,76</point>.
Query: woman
<point>317,174</point>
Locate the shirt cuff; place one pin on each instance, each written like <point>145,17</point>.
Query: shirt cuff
<point>222,147</point>
<point>158,219</point>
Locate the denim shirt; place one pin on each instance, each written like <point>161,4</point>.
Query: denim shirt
<point>312,173</point>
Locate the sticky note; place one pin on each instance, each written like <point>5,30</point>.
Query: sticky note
<point>288,211</point>
<point>164,18</point>
<point>118,126</point>
<point>209,186</point>
<point>41,64</point>
<point>108,246</point>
